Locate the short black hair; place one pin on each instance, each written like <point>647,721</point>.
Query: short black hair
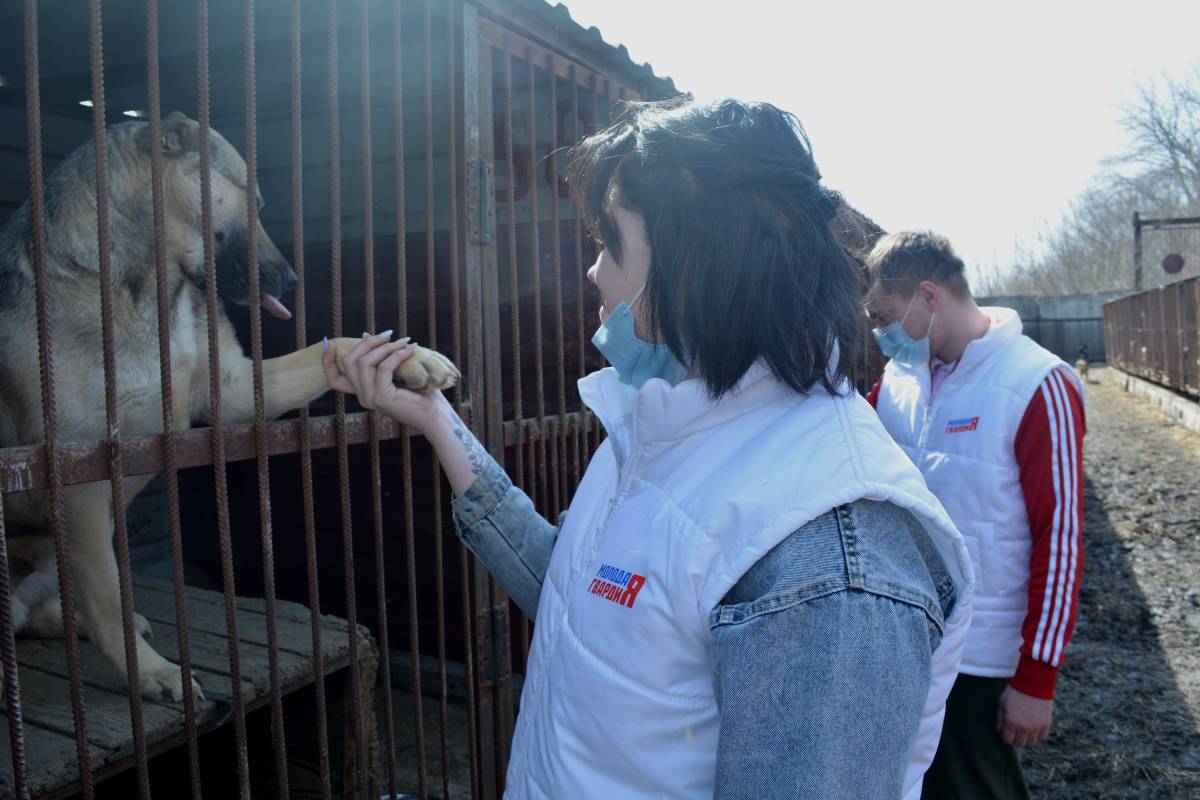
<point>743,262</point>
<point>899,262</point>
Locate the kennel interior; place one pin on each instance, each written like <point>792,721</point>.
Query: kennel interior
<point>410,159</point>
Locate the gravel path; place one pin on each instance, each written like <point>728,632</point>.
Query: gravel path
<point>1127,715</point>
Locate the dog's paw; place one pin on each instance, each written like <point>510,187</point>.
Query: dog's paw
<point>162,680</point>
<point>427,369</point>
<point>143,626</point>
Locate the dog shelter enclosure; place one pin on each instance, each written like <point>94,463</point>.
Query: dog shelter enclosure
<point>410,157</point>
<point>1154,333</point>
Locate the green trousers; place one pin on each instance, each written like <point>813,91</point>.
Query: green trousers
<point>972,761</point>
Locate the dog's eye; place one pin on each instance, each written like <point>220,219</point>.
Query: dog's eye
<point>219,236</point>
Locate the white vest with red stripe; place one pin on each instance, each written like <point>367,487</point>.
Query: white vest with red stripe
<point>963,445</point>
<point>684,496</point>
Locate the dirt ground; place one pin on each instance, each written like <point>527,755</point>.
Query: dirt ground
<point>1128,699</point>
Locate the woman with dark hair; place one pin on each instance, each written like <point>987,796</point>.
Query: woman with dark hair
<point>752,594</point>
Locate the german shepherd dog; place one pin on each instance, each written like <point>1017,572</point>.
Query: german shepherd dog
<point>73,271</point>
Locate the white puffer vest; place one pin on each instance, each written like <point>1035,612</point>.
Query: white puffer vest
<point>681,500</point>
<point>963,445</point>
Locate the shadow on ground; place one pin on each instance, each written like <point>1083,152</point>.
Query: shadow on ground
<point>1122,727</point>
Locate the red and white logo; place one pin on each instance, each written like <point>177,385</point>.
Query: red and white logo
<point>617,585</point>
<point>962,425</point>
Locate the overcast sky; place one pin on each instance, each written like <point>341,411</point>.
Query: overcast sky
<point>979,120</point>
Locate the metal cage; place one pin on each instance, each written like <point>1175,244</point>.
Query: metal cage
<point>421,145</point>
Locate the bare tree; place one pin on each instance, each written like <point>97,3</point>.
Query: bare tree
<point>1090,247</point>
<point>1163,124</point>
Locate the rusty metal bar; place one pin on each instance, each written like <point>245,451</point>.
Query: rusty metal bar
<point>1168,222</point>
<point>216,439</point>
<point>410,559</point>
<point>376,480</point>
<point>577,440</point>
<point>536,258</point>
<point>560,454</point>
<point>37,211</point>
<point>489,665</point>
<point>431,301</point>
<point>513,264</point>
<point>456,301</point>
<point>343,456</point>
<point>1137,251</point>
<point>526,430</point>
<point>12,688</point>
<point>453,53</point>
<point>531,483</point>
<point>260,422</point>
<point>112,417</point>
<point>306,475</point>
<point>24,469</point>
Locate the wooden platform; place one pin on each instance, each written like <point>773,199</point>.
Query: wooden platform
<point>46,704</point>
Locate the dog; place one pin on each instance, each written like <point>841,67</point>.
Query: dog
<point>1081,366</point>
<point>73,273</point>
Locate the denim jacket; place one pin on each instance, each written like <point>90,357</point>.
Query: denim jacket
<point>821,652</point>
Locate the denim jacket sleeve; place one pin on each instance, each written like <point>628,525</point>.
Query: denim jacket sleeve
<point>498,523</point>
<point>820,679</point>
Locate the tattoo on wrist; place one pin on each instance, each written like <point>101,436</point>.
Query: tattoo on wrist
<point>475,453</point>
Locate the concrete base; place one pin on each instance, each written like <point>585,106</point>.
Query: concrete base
<point>1182,410</point>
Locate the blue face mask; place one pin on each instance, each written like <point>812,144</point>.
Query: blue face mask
<point>897,345</point>
<point>634,360</point>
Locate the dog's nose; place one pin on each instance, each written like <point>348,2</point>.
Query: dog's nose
<point>289,279</point>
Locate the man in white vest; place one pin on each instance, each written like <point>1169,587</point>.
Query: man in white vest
<point>995,423</point>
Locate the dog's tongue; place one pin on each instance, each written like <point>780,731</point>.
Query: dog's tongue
<point>274,307</point>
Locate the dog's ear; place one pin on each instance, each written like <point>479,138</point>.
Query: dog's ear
<point>180,135</point>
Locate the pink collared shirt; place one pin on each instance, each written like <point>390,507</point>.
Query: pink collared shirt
<point>938,372</point>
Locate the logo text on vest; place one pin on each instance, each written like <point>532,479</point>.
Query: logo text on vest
<point>962,425</point>
<point>617,585</point>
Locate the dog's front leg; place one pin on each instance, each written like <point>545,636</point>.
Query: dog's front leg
<point>98,592</point>
<point>298,378</point>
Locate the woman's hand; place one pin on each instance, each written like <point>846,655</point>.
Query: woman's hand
<point>368,371</point>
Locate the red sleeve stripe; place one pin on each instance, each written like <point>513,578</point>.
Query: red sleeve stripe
<point>1071,533</point>
<point>1060,580</point>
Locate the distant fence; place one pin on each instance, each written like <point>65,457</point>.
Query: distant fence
<point>1063,324</point>
<point>1155,335</point>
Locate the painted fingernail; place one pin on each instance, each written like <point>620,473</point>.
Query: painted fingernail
<point>325,344</point>
<point>387,333</point>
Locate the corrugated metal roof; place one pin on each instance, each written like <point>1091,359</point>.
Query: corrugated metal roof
<point>592,40</point>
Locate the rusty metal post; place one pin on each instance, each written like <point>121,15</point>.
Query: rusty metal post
<point>112,417</point>
<point>362,777</point>
<point>410,558</point>
<point>62,554</point>
<point>217,438</point>
<point>260,421</point>
<point>12,689</point>
<point>490,662</point>
<point>377,535</point>
<point>559,480</point>
<point>306,476</point>
<point>1137,251</point>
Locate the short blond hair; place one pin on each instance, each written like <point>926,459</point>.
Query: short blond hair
<point>899,262</point>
